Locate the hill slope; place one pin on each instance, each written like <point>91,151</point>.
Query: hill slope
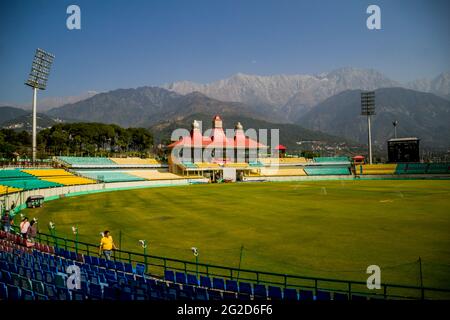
<point>420,114</point>
<point>146,106</point>
<point>9,113</point>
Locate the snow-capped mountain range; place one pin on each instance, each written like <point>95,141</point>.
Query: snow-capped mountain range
<point>294,95</point>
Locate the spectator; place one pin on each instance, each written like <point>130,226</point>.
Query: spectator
<point>24,225</point>
<point>32,230</point>
<point>106,245</point>
<point>7,221</point>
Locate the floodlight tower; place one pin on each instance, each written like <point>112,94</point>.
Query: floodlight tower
<point>37,79</point>
<point>395,124</point>
<point>368,109</point>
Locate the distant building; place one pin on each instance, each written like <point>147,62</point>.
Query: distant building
<point>403,150</point>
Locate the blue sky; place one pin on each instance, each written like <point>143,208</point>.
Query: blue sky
<point>133,43</point>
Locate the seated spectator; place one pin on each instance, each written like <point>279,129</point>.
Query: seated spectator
<point>24,225</point>
<point>7,221</point>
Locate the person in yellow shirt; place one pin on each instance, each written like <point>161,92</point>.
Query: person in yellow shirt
<point>106,245</point>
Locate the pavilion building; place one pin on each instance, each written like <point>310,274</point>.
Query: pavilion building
<point>217,154</point>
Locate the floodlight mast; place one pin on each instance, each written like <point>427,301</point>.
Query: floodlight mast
<point>37,79</point>
<point>368,109</point>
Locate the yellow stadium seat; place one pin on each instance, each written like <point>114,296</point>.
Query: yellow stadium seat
<point>283,172</point>
<point>47,172</point>
<point>60,176</point>
<point>376,169</point>
<point>4,189</point>
<point>206,165</point>
<point>236,165</point>
<point>155,175</point>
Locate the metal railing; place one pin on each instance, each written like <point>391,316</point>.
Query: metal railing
<point>156,266</point>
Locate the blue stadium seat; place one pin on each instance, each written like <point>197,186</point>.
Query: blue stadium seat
<point>7,277</point>
<point>140,269</point>
<point>201,294</point>
<point>231,285</point>
<point>88,260</point>
<point>110,264</point>
<point>102,262</point>
<point>125,296</point>
<point>78,295</point>
<point>110,293</point>
<point>205,282</point>
<point>14,292</point>
<point>50,291</point>
<point>306,295</point>
<point>63,293</point>
<point>245,287</point>
<point>260,291</point>
<point>340,296</point>
<point>38,286</point>
<point>27,295</point>
<point>290,294</point>
<point>323,295</point>
<point>49,277</point>
<point>214,295</point>
<point>357,297</point>
<point>192,279</point>
<point>128,268</point>
<point>95,261</point>
<point>180,277</point>
<point>244,297</point>
<point>3,291</point>
<point>95,291</point>
<point>120,266</point>
<point>169,275</point>
<point>275,293</point>
<point>218,283</point>
<point>229,295</point>
<point>73,255</point>
<point>41,297</point>
<point>39,276</point>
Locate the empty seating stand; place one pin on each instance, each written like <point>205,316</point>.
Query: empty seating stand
<point>326,170</point>
<point>376,169</point>
<point>40,274</point>
<point>109,176</point>
<point>343,160</point>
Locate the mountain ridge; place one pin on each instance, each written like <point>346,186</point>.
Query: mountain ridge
<point>420,114</point>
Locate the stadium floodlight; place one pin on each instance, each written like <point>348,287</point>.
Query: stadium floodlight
<point>395,124</point>
<point>143,243</point>
<point>368,109</point>
<point>37,79</point>
<point>195,252</point>
<point>51,225</point>
<point>75,232</point>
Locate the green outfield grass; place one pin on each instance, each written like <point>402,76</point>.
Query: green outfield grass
<point>329,228</point>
